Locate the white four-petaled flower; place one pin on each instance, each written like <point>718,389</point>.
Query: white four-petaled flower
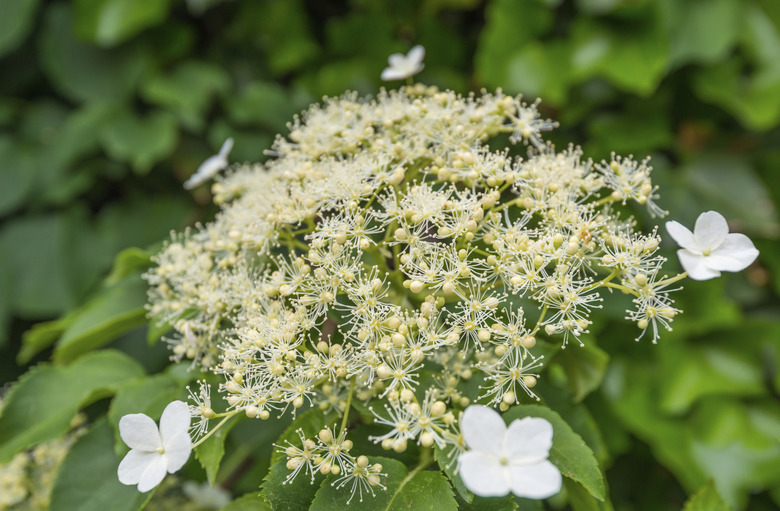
<point>210,167</point>
<point>403,66</point>
<point>710,249</point>
<point>501,459</point>
<point>153,452</point>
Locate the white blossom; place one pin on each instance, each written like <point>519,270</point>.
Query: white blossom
<point>710,249</point>
<point>501,459</point>
<point>210,167</point>
<point>403,66</point>
<point>153,451</point>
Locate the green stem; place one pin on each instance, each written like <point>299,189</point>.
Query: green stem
<point>215,428</point>
<point>672,280</point>
<point>426,458</point>
<point>349,405</point>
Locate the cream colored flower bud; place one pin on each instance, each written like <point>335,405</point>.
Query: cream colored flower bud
<point>362,461</point>
<point>325,435</point>
<point>529,381</point>
<point>438,408</point>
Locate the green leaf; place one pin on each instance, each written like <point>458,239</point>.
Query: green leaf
<point>691,372</point>
<point>310,421</point>
<point>210,452</point>
<point>581,500</point>
<point>149,396</point>
<point>509,26</point>
<point>263,103</point>
<point>702,30</point>
<point>140,141</point>
<point>540,70</point>
<point>249,502</point>
<point>448,466</point>
<point>16,17</point>
<point>187,91</point>
<point>114,311</point>
<point>731,185</point>
<point>569,452</point>
<point>508,503</point>
<point>81,71</point>
<point>423,490</point>
<point>19,172</point>
<point>296,495</point>
<point>631,54</point>
<point>108,22</point>
<point>41,336</point>
<point>128,261</point>
<point>706,499</point>
<point>41,405</point>
<point>584,367</point>
<point>51,261</point>
<point>87,479</point>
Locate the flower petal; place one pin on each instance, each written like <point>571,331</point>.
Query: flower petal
<point>133,465</point>
<point>177,450</point>
<point>153,475</point>
<point>710,230</point>
<point>735,254</point>
<point>483,430</point>
<point>483,475</point>
<point>528,440</point>
<point>391,73</point>
<point>206,171</point>
<point>416,56</point>
<point>397,60</point>
<point>695,265</point>
<point>227,146</point>
<point>682,235</point>
<point>139,431</point>
<point>537,481</point>
<point>175,420</point>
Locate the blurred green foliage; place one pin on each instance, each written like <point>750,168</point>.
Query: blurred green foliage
<point>106,106</point>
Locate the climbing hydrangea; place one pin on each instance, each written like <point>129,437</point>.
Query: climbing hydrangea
<point>386,253</point>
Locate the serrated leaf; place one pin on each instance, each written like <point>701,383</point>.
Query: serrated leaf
<point>569,452</point>
<point>108,22</point>
<point>426,491</point>
<point>210,452</point>
<point>584,367</point>
<point>87,479</point>
<point>448,466</point>
<point>114,311</point>
<point>41,405</point>
<point>706,499</point>
<point>249,502</point>
<point>16,17</point>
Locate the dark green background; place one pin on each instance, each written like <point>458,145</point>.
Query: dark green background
<point>106,106</point>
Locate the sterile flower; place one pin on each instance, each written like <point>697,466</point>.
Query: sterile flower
<point>501,459</point>
<point>710,249</point>
<point>153,452</point>
<point>210,167</point>
<point>403,66</point>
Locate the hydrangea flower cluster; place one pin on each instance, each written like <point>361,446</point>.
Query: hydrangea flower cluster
<point>386,253</point>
